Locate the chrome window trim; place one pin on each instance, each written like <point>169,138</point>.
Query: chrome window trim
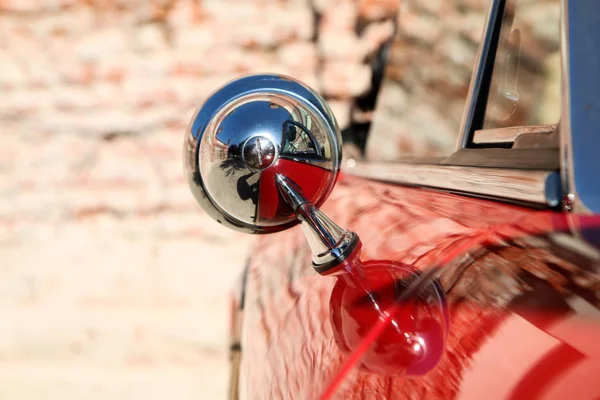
<point>472,118</point>
<point>508,135</point>
<point>580,120</point>
<point>471,129</point>
<point>539,188</point>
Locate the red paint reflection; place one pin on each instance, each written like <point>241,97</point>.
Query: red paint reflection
<point>412,342</point>
<point>314,182</point>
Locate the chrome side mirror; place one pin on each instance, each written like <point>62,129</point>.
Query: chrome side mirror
<point>261,155</point>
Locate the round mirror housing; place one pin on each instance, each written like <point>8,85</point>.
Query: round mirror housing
<point>248,132</point>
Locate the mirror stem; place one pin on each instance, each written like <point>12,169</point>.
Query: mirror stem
<point>330,244</point>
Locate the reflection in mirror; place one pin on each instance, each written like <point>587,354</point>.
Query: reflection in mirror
<point>298,140</point>
<point>413,342</point>
<point>244,135</point>
<point>258,152</point>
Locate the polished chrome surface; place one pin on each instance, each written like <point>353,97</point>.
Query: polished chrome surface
<point>580,134</point>
<point>509,135</point>
<point>523,186</point>
<point>259,152</point>
<point>329,243</point>
<point>247,132</point>
<point>290,192</point>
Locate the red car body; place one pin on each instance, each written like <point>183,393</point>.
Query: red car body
<point>521,293</point>
<point>506,292</point>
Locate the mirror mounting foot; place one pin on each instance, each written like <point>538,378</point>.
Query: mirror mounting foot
<point>330,244</point>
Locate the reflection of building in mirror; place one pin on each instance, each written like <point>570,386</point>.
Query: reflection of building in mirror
<point>218,150</point>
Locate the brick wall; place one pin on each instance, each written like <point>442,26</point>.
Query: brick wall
<point>113,282</point>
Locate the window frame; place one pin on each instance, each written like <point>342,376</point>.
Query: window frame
<point>472,132</point>
<point>570,182</point>
<point>476,102</point>
<point>579,132</point>
<point>562,174</point>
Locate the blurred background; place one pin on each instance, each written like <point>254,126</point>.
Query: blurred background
<point>114,284</point>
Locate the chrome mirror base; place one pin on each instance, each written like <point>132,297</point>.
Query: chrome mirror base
<point>330,244</point>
